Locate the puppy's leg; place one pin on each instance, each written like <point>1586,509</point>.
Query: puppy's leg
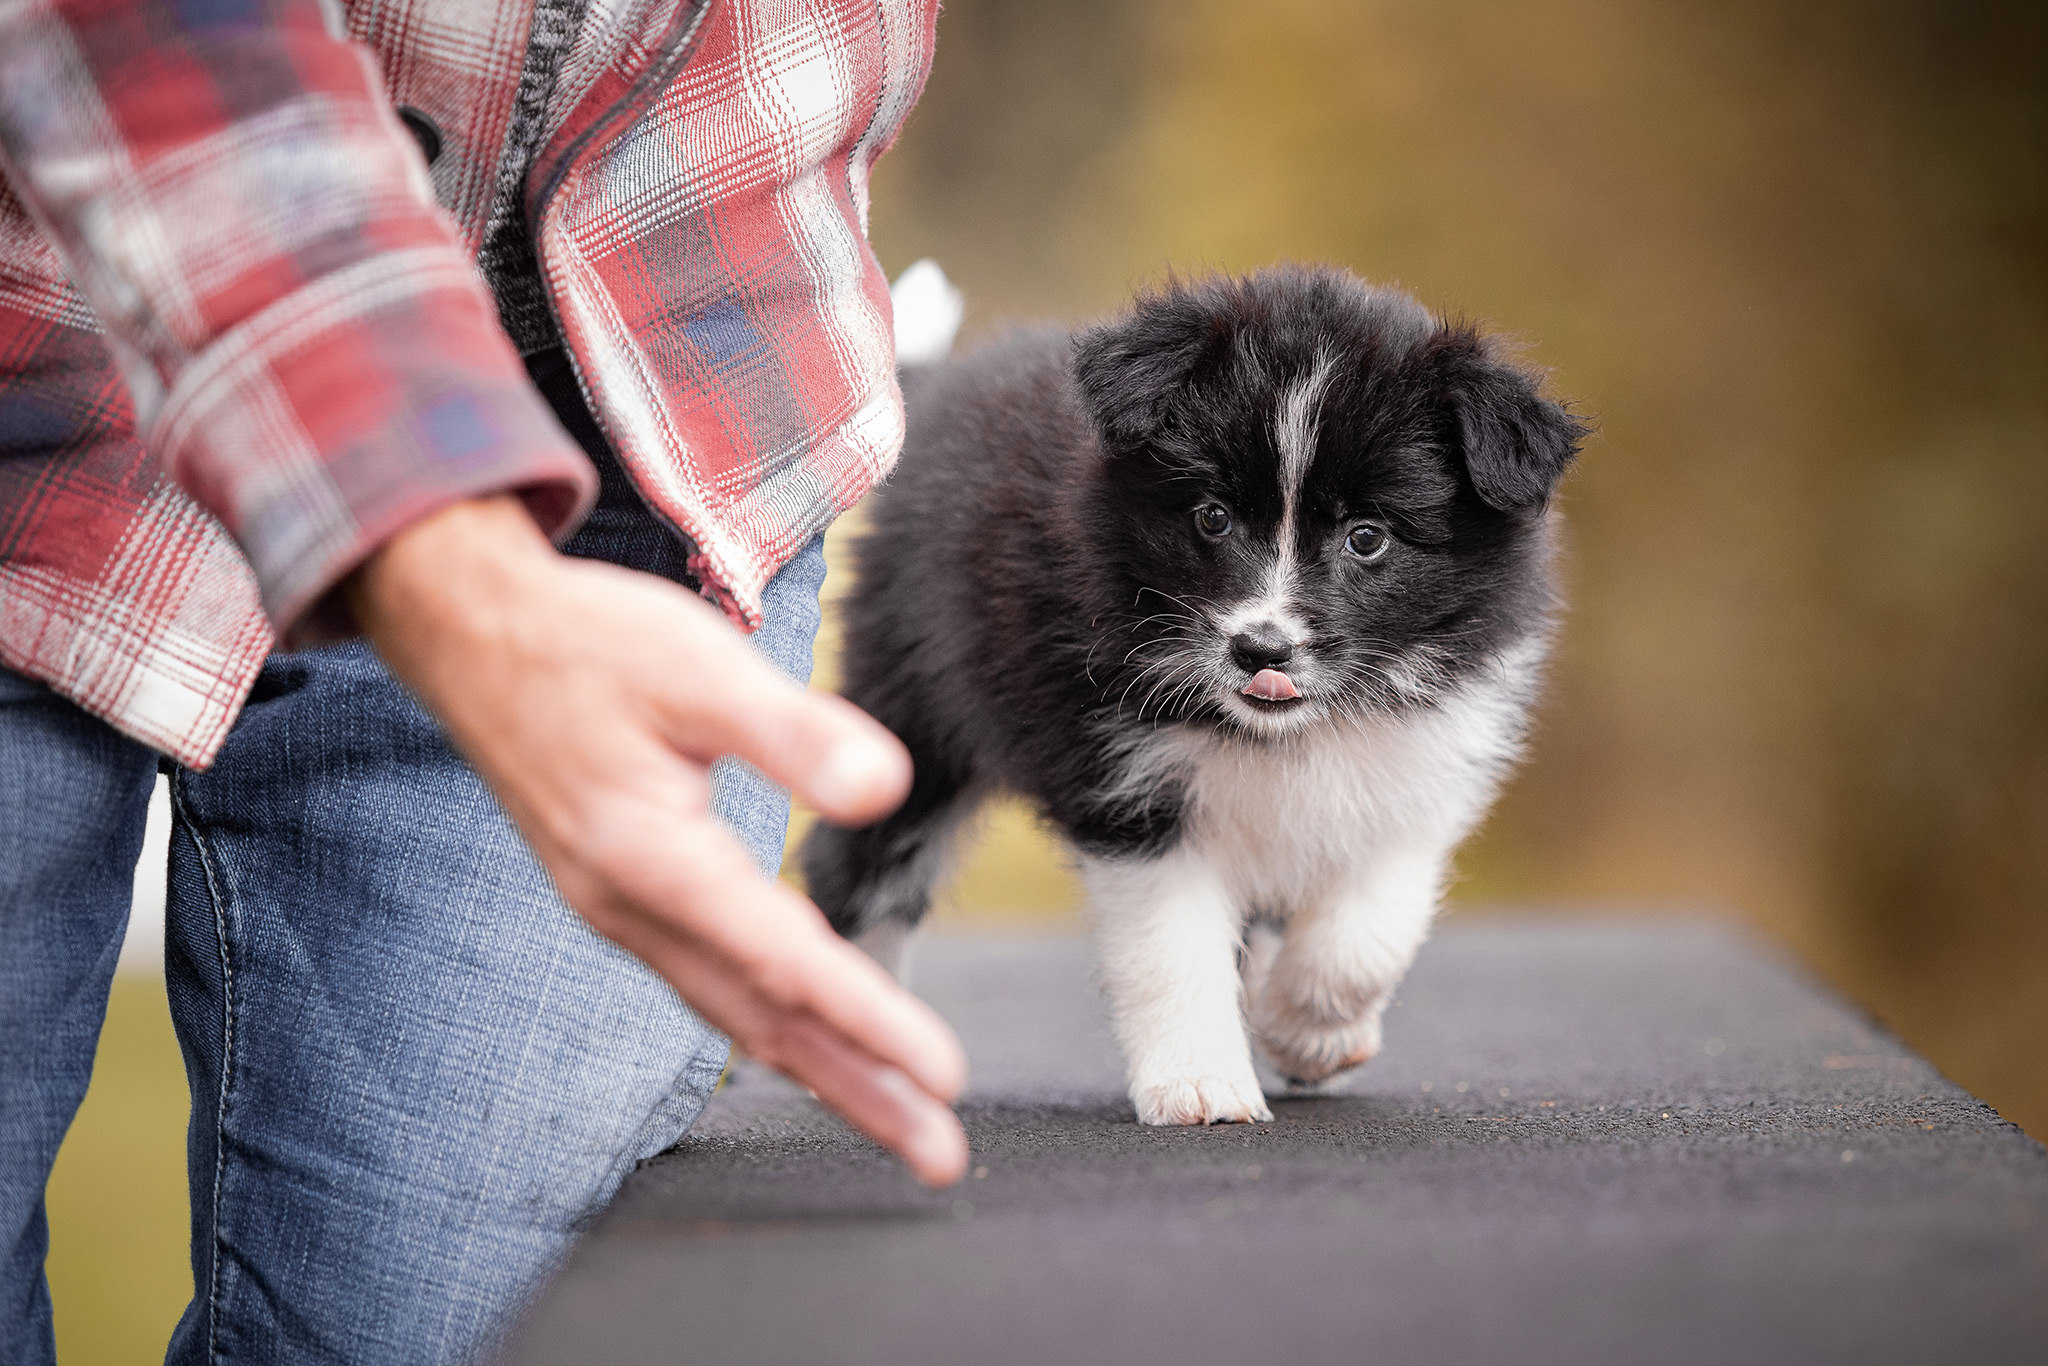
<point>1316,1006</point>
<point>887,941</point>
<point>874,884</point>
<point>1167,935</point>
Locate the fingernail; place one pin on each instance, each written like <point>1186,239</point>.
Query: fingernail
<point>950,1078</point>
<point>850,774</point>
<point>937,1152</point>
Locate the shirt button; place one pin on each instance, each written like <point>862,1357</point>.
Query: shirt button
<point>423,132</point>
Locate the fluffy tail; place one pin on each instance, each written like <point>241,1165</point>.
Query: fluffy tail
<point>928,311</point>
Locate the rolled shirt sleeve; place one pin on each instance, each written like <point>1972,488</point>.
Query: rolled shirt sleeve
<point>311,352</point>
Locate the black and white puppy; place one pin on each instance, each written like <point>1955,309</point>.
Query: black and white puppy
<point>1247,590</point>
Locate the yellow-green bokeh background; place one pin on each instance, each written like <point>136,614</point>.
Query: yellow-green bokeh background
<point>1789,254</point>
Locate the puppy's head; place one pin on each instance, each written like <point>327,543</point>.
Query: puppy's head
<point>1315,498</point>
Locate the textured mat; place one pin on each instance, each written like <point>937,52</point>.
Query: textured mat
<point>1584,1142</point>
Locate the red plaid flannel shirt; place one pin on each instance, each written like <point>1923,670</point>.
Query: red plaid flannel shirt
<point>243,339</point>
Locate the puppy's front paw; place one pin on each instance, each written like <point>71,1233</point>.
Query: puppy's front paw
<point>1199,1100</point>
<point>1307,1053</point>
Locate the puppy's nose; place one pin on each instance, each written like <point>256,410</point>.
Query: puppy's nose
<point>1262,647</point>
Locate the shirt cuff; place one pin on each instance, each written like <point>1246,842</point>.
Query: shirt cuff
<point>356,405</point>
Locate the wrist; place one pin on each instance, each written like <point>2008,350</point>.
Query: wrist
<point>446,576</point>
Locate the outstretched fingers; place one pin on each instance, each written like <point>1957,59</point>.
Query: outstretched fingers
<point>826,751</point>
<point>759,962</point>
<point>844,989</point>
<point>879,1100</point>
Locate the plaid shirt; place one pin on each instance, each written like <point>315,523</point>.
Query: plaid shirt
<point>244,339</point>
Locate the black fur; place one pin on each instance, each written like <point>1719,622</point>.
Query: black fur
<point>1035,585</point>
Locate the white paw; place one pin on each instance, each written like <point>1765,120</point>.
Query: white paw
<point>1199,1100</point>
<point>1314,1022</point>
<point>1311,1051</point>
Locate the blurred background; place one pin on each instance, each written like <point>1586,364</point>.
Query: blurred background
<point>1792,257</point>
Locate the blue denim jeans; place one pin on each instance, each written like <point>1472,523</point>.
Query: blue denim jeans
<point>415,1073</point>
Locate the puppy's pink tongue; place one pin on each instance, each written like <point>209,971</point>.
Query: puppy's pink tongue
<point>1272,685</point>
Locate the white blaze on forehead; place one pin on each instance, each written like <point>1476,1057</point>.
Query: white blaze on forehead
<point>1294,430</point>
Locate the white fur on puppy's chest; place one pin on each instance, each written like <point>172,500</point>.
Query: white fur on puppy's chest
<point>1286,823</point>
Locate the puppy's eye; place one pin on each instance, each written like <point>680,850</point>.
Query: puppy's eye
<point>1212,519</point>
<point>1369,541</point>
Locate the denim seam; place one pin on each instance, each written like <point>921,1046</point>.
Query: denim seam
<point>227,1066</point>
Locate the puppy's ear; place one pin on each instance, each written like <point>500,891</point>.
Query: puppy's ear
<point>1130,370</point>
<point>1516,443</point>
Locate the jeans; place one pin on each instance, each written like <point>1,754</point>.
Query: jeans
<point>415,1073</point>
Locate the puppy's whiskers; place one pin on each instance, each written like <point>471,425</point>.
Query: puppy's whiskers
<point>1201,613</point>
<point>1188,674</point>
<point>1158,674</point>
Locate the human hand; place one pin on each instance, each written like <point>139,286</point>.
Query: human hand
<point>593,699</point>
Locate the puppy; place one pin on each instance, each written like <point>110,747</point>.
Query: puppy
<point>1247,590</point>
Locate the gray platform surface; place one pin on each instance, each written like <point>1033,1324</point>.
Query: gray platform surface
<point>1584,1142</point>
